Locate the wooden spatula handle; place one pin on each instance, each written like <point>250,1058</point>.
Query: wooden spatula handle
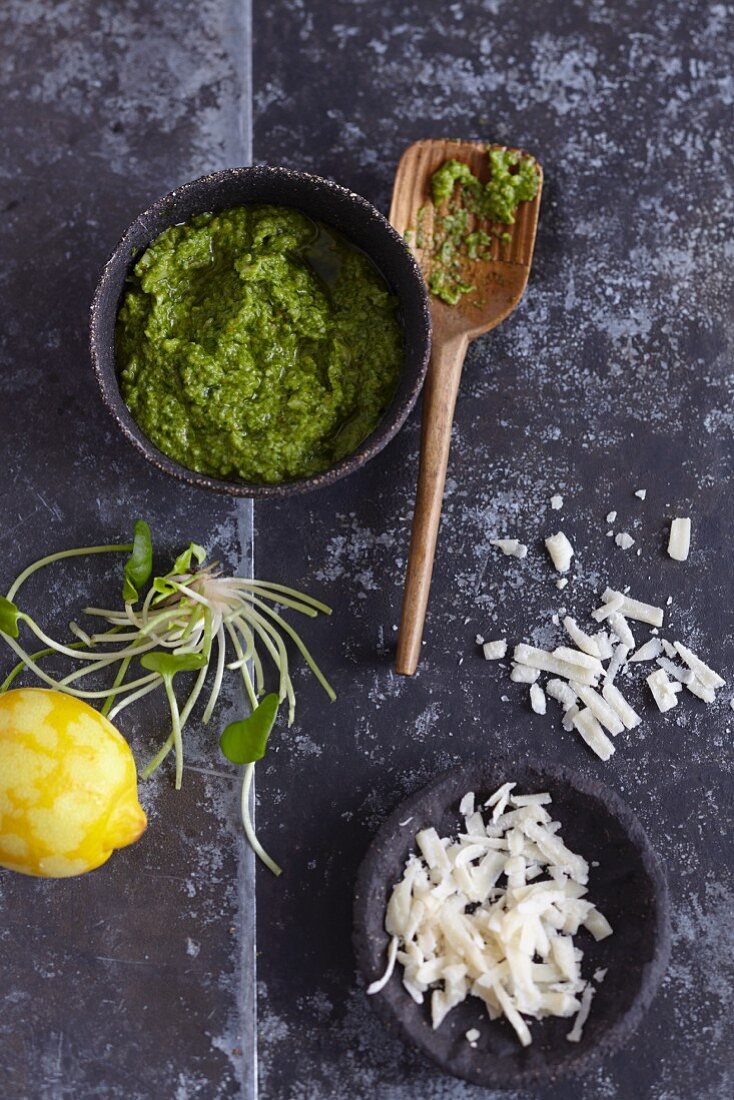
<point>439,400</point>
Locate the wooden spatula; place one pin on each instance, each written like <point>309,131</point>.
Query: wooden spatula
<point>500,282</point>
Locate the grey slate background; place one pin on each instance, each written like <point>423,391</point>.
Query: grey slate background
<point>614,374</point>
<point>135,982</point>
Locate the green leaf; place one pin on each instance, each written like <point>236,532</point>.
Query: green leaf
<point>8,617</point>
<point>245,742</point>
<point>168,664</point>
<point>163,587</point>
<point>139,565</point>
<point>182,563</point>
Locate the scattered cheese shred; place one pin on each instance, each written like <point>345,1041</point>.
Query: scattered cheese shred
<point>494,651</point>
<point>663,691</point>
<point>614,697</point>
<point>634,609</point>
<point>523,674</point>
<point>576,1032</point>
<point>560,550</point>
<point>392,954</point>
<point>624,540</point>
<point>537,698</point>
<point>641,493</point>
<point>609,607</point>
<point>556,502</point>
<point>584,641</point>
<point>679,543</point>
<point>511,548</point>
<point>472,915</point>
<point>648,652</point>
<point>619,658</point>
<point>592,733</point>
<point>600,708</point>
<point>684,675</point>
<point>706,675</point>
<point>620,627</point>
<point>548,662</point>
<point>611,516</point>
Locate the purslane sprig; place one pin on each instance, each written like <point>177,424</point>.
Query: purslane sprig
<point>186,622</point>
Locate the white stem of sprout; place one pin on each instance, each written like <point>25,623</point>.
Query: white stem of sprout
<point>243,668</point>
<point>124,548</point>
<point>167,745</point>
<point>249,827</point>
<point>65,651</point>
<point>82,635</point>
<point>31,664</point>
<point>133,698</point>
<point>279,655</point>
<point>176,722</point>
<point>263,586</point>
<point>217,685</point>
<point>301,646</point>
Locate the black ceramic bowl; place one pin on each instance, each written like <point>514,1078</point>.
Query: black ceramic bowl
<point>321,199</point>
<point>628,887</point>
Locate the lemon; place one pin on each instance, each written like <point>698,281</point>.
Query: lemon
<point>68,787</point>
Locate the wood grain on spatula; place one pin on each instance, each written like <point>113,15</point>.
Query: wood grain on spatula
<point>499,283</point>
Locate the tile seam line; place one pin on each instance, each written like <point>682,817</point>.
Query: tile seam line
<point>249,1078</point>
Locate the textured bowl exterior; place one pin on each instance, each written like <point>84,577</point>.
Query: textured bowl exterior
<point>351,215</point>
<point>628,886</point>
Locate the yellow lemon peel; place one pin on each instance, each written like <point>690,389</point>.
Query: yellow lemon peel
<point>68,785</point>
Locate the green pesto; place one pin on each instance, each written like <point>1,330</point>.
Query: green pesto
<point>256,344</point>
<point>458,195</point>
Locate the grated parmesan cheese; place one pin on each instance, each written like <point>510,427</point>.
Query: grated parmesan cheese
<point>641,493</point>
<point>614,697</point>
<point>624,540</point>
<point>560,550</point>
<point>494,651</point>
<point>634,609</point>
<point>620,627</point>
<point>683,675</point>
<point>611,516</point>
<point>556,502</point>
<point>648,652</point>
<point>511,548</point>
<point>584,641</point>
<point>586,724</point>
<point>537,698</point>
<point>458,930</point>
<point>523,674</point>
<point>609,607</point>
<point>679,543</point>
<point>549,662</point>
<point>600,708</point>
<point>663,691</point>
<point>706,675</point>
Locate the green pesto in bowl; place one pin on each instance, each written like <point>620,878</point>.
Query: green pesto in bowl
<point>257,344</point>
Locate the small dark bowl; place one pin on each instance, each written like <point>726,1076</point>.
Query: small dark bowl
<point>321,199</point>
<point>628,887</point>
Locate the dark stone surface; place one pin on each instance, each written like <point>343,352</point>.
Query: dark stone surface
<point>614,374</point>
<point>134,981</point>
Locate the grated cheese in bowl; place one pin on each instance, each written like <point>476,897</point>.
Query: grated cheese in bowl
<point>492,913</point>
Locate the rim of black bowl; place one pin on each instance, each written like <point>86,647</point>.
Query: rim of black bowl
<point>354,216</point>
<point>380,868</point>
